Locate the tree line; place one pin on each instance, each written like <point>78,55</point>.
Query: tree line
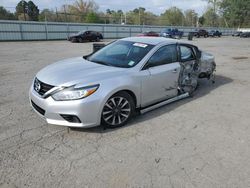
<point>219,13</point>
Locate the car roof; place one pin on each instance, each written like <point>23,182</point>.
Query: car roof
<point>151,40</point>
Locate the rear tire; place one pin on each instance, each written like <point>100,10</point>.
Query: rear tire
<point>118,110</point>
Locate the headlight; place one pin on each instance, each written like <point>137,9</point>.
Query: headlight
<point>74,93</point>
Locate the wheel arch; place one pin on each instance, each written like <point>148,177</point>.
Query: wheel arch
<point>131,93</point>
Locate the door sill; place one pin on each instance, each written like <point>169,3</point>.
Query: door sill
<point>165,102</point>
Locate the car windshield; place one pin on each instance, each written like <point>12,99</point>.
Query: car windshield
<point>121,53</point>
<point>166,30</point>
<point>80,32</point>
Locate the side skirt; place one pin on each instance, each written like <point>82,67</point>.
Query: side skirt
<point>152,107</point>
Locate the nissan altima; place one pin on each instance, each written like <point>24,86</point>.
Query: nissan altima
<point>128,75</point>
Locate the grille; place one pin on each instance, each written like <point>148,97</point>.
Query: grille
<point>43,88</point>
<point>38,109</point>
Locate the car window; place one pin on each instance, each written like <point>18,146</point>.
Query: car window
<point>165,55</point>
<point>186,53</point>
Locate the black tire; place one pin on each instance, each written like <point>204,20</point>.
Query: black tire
<point>118,110</point>
<point>97,39</point>
<point>73,40</point>
<point>80,40</point>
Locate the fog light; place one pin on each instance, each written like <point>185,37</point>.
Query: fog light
<point>71,118</point>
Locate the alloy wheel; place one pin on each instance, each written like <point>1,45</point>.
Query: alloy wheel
<point>116,111</point>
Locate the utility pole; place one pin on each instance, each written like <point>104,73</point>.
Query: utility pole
<point>56,15</point>
<point>214,16</point>
<point>65,13</point>
<point>139,17</point>
<point>125,18</point>
<point>24,10</point>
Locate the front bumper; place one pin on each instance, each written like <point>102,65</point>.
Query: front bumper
<point>88,110</point>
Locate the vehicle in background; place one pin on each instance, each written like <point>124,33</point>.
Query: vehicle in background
<point>82,36</point>
<point>148,34</point>
<point>171,33</point>
<point>237,34</point>
<point>214,33</point>
<point>200,33</point>
<point>107,87</point>
<point>245,35</point>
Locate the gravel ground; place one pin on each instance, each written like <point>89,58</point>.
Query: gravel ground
<point>197,142</point>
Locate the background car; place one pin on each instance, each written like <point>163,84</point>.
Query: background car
<point>237,34</point>
<point>107,87</point>
<point>148,34</point>
<point>214,33</point>
<point>200,33</point>
<point>245,35</point>
<point>171,33</point>
<point>85,36</point>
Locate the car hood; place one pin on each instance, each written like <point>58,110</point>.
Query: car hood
<point>77,71</point>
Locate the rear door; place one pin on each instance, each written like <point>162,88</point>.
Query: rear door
<point>163,71</point>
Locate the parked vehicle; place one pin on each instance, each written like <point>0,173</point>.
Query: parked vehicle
<point>200,33</point>
<point>214,33</point>
<point>245,35</point>
<point>148,34</point>
<point>237,34</point>
<point>171,33</point>
<point>108,86</point>
<point>85,36</point>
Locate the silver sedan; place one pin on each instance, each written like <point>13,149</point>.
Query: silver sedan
<point>110,85</point>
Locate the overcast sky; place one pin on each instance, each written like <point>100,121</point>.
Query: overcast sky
<point>155,6</point>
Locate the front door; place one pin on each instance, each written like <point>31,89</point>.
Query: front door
<point>162,73</point>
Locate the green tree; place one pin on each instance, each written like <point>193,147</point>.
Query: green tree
<point>150,18</point>
<point>27,11</point>
<point>140,16</point>
<point>22,10</point>
<point>6,15</point>
<point>191,17</point>
<point>211,19</point>
<point>79,10</point>
<point>32,11</point>
<point>92,18</point>
<point>50,16</point>
<point>236,13</point>
<point>201,20</point>
<point>172,16</point>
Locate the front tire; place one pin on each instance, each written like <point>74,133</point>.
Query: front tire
<point>118,110</point>
<point>80,40</point>
<point>73,40</point>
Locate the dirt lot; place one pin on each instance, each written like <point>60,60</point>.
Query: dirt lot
<point>197,142</point>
